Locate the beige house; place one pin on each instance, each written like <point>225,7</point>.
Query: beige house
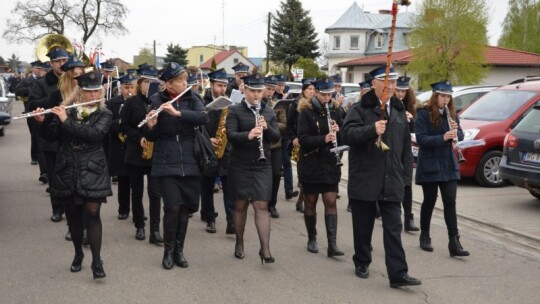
<point>226,60</point>
<point>197,55</point>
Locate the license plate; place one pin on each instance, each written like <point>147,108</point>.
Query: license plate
<point>532,157</point>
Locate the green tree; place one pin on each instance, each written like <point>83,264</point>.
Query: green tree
<point>521,26</point>
<point>176,54</point>
<point>293,35</point>
<point>2,61</point>
<point>448,42</point>
<point>310,67</point>
<point>145,55</point>
<point>13,63</point>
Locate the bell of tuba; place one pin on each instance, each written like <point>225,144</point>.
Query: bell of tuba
<point>50,41</point>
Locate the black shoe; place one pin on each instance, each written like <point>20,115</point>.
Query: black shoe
<point>114,179</point>
<point>43,178</point>
<point>68,236</point>
<point>291,195</point>
<point>362,272</point>
<point>155,238</point>
<point>239,254</point>
<point>230,229</point>
<point>409,223</point>
<point>300,207</point>
<point>56,217</point>
<point>349,208</point>
<point>266,260</point>
<point>123,216</point>
<point>273,212</point>
<point>34,162</point>
<point>425,241</point>
<point>455,248</point>
<point>76,265</point>
<point>211,227</point>
<point>140,235</point>
<point>405,280</point>
<point>48,190</point>
<point>97,270</point>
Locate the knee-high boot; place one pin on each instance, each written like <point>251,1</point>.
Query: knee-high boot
<point>331,232</point>
<point>311,227</point>
<point>170,224</point>
<point>179,258</point>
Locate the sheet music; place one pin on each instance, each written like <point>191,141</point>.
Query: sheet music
<point>236,96</point>
<point>219,103</point>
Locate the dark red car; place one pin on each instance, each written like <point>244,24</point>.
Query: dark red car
<point>490,118</point>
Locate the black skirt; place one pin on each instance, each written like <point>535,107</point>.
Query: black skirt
<point>250,181</point>
<point>180,191</point>
<point>81,200</point>
<point>316,188</point>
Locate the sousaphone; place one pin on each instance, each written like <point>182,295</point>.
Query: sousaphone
<point>50,41</point>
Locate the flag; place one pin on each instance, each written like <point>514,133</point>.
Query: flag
<point>92,56</point>
<point>97,63</point>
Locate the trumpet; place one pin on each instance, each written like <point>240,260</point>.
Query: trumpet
<point>262,158</point>
<point>334,142</point>
<point>461,158</point>
<point>156,113</point>
<point>47,111</point>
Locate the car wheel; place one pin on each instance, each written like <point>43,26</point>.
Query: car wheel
<point>487,171</point>
<point>535,193</point>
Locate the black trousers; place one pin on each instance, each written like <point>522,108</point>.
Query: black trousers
<point>50,162</point>
<point>277,163</point>
<point>136,179</point>
<point>34,139</point>
<point>363,218</point>
<point>448,193</point>
<point>124,188</point>
<point>208,211</point>
<point>407,201</point>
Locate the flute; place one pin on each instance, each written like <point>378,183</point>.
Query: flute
<point>156,113</point>
<point>47,111</point>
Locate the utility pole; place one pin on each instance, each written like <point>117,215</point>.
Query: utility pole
<point>155,61</point>
<point>268,43</point>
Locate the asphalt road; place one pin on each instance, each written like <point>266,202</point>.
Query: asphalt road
<point>35,258</point>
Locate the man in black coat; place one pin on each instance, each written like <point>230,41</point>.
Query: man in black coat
<point>40,94</point>
<point>22,92</point>
<point>379,176</point>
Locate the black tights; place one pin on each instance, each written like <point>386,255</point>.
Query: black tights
<point>329,201</point>
<point>262,222</point>
<point>175,222</point>
<point>74,215</point>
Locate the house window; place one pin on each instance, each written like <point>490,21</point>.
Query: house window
<point>379,41</point>
<point>354,42</point>
<point>201,59</point>
<point>235,61</point>
<point>337,42</point>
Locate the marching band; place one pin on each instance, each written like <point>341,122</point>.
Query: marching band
<point>145,124</point>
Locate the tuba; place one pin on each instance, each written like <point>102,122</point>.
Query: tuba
<point>50,41</point>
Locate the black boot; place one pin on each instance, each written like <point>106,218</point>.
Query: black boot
<point>455,248</point>
<point>311,227</point>
<point>178,256</point>
<point>169,243</point>
<point>331,232</point>
<point>425,241</point>
<point>409,223</point>
<point>97,270</point>
<point>155,238</point>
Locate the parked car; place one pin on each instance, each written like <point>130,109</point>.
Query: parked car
<point>490,119</point>
<point>520,163</point>
<point>295,89</point>
<point>6,104</point>
<point>463,95</point>
<point>347,88</point>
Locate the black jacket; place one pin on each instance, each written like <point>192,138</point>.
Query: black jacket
<point>292,120</point>
<point>116,147</point>
<point>81,166</point>
<point>374,174</point>
<point>23,90</point>
<point>175,136</point>
<point>42,90</point>
<point>316,163</point>
<point>240,121</point>
<point>212,128</point>
<point>133,112</point>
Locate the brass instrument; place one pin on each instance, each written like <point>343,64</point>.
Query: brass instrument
<point>461,158</point>
<point>122,137</point>
<point>148,150</point>
<point>295,153</point>
<point>221,134</point>
<point>262,158</point>
<point>50,41</point>
<point>334,142</point>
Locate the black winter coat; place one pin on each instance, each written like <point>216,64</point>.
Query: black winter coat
<point>116,147</point>
<point>437,161</point>
<point>292,120</point>
<point>133,112</point>
<point>316,163</point>
<point>81,166</point>
<point>212,128</point>
<point>240,121</point>
<point>45,94</point>
<point>23,90</point>
<point>374,174</point>
<point>175,136</point>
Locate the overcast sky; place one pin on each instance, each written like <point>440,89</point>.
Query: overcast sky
<point>202,22</point>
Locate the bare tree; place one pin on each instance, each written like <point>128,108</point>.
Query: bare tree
<point>324,49</point>
<point>36,18</point>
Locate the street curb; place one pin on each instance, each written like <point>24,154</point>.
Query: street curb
<point>525,235</point>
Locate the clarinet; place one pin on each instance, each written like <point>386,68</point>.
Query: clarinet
<point>334,142</point>
<point>262,158</point>
<point>461,158</point>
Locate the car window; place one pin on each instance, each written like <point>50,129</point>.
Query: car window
<point>466,99</point>
<point>346,90</point>
<point>497,105</point>
<point>531,122</point>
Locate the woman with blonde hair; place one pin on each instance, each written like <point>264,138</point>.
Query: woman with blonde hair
<point>83,181</point>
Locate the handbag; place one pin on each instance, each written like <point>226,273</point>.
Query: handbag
<point>204,153</point>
